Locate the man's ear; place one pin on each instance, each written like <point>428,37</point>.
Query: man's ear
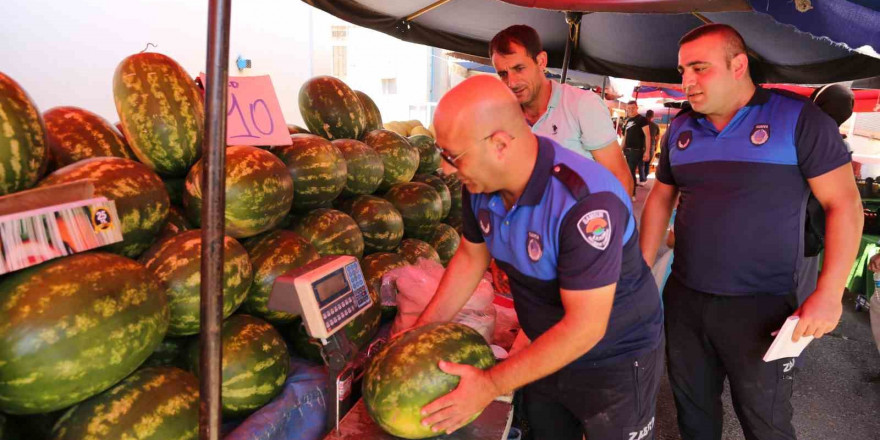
<point>740,65</point>
<point>542,60</point>
<point>500,142</point>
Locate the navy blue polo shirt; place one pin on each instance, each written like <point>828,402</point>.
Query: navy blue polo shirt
<point>572,228</point>
<point>739,229</point>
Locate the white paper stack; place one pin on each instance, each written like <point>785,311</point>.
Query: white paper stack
<point>782,346</point>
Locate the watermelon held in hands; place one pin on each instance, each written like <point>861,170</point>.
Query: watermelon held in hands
<point>332,232</point>
<point>400,159</point>
<point>403,376</point>
<point>140,196</point>
<point>177,261</point>
<point>259,192</point>
<point>371,110</point>
<point>73,327</point>
<point>331,109</point>
<point>154,403</point>
<point>379,221</point>
<point>273,254</point>
<point>161,111</point>
<point>419,205</point>
<point>24,152</point>
<point>318,170</point>
<point>255,364</point>
<point>365,167</point>
<point>75,134</point>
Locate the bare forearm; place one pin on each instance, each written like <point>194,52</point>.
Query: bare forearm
<point>556,348</point>
<point>459,281</point>
<point>843,225</point>
<point>655,217</point>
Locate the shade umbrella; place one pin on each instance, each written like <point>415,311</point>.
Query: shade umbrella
<point>634,39</point>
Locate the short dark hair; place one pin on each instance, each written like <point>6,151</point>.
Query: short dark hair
<point>518,34</point>
<point>733,41</point>
<point>649,114</point>
<point>632,103</point>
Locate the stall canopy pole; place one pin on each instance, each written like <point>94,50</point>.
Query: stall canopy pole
<point>571,43</point>
<point>426,9</point>
<point>213,222</point>
<point>604,84</point>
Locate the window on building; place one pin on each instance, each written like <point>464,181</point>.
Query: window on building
<point>340,61</point>
<point>389,86</point>
<point>339,33</point>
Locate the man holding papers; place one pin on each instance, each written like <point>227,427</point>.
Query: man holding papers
<point>744,162</point>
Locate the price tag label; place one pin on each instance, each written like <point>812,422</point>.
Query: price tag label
<point>253,114</point>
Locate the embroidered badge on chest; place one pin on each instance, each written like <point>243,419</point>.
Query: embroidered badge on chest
<point>595,227</point>
<point>485,221</point>
<point>684,139</point>
<point>760,134</point>
<point>534,247</point>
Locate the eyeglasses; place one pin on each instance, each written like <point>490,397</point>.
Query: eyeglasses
<point>451,160</point>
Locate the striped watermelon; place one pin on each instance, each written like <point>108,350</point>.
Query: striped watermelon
<point>176,223</point>
<point>255,364</point>
<point>375,266</point>
<point>171,352</point>
<point>365,167</point>
<point>176,187</point>
<point>177,262</point>
<point>331,109</point>
<point>439,185</point>
<point>318,170</point>
<point>454,184</point>
<point>23,150</point>
<point>403,376</point>
<point>72,327</point>
<point>273,254</point>
<point>296,129</point>
<point>332,232</point>
<point>429,155</point>
<point>374,117</point>
<point>413,249</point>
<point>259,192</point>
<point>161,111</point>
<point>379,222</point>
<point>445,240</point>
<point>154,403</point>
<point>419,205</point>
<point>141,198</point>
<point>301,344</point>
<point>75,134</point>
<point>401,160</point>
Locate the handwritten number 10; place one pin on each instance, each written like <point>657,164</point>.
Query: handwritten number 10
<point>252,111</point>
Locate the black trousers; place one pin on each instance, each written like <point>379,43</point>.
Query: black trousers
<point>634,161</point>
<point>611,402</point>
<point>710,337</point>
<point>645,170</point>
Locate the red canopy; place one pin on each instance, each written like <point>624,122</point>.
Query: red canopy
<point>867,100</point>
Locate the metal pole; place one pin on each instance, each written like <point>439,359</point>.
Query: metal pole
<point>426,9</point>
<point>604,84</point>
<point>574,31</point>
<point>213,221</point>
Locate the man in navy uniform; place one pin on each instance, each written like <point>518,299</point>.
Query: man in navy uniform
<point>562,228</point>
<point>744,162</point>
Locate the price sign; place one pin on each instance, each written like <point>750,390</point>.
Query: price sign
<point>253,115</point>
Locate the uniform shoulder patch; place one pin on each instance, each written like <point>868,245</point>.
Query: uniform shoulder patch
<point>595,228</point>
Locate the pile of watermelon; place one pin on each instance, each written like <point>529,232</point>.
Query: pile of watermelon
<point>115,330</point>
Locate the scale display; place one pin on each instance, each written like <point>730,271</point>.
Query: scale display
<point>328,293</point>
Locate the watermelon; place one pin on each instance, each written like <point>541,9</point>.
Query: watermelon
<point>161,111</point>
<point>374,117</point>
<point>154,403</point>
<point>365,167</point>
<point>379,222</point>
<point>403,376</point>
<point>413,249</point>
<point>140,197</point>
<point>75,134</point>
<point>332,232</point>
<point>375,266</point>
<point>177,262</point>
<point>272,254</point>
<point>255,364</point>
<point>72,327</point>
<point>445,240</point>
<point>23,150</point>
<point>176,223</point>
<point>296,129</point>
<point>331,109</point>
<point>318,170</point>
<point>301,344</point>
<point>429,155</point>
<point>401,160</point>
<point>453,183</point>
<point>419,205</point>
<point>259,192</point>
<point>170,353</point>
<point>439,185</point>
<point>176,187</point>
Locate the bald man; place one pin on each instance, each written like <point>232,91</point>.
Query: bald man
<point>561,227</point>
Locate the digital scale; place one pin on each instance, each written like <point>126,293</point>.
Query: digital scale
<point>329,293</point>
